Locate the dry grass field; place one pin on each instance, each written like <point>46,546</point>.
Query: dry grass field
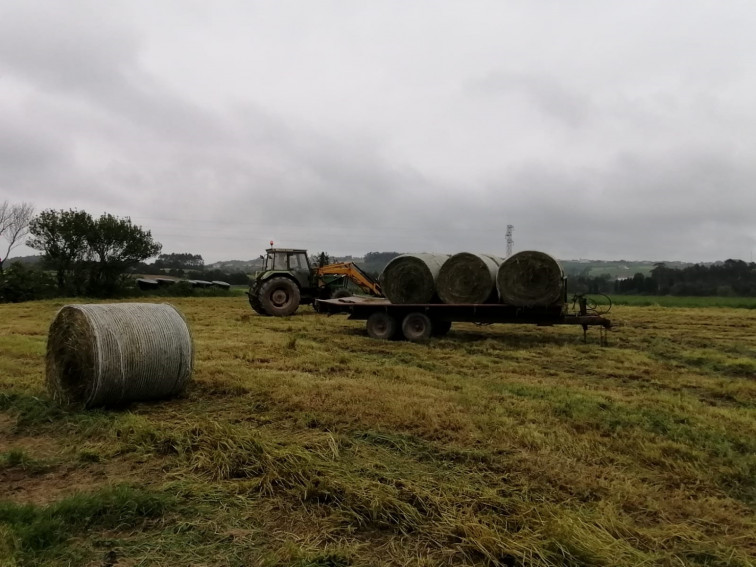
<point>302,442</point>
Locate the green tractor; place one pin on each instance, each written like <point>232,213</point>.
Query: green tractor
<point>288,280</point>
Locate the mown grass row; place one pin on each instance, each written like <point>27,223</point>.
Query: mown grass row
<point>303,442</point>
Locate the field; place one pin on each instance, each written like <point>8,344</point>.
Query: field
<point>680,301</point>
<point>302,442</point>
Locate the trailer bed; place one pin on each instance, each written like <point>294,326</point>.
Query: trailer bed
<point>441,315</point>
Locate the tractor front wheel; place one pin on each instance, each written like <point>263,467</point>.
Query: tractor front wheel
<point>279,297</point>
<point>254,301</point>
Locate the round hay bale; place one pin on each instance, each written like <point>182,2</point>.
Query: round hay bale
<point>411,278</point>
<point>468,278</point>
<point>112,354</point>
<point>530,279</point>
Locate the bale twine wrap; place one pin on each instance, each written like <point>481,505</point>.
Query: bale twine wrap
<point>468,278</point>
<point>411,278</point>
<point>111,354</point>
<point>530,279</point>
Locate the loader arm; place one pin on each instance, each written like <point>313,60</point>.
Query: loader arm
<point>354,273</point>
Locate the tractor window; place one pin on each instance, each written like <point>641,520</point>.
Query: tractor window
<point>298,262</point>
<point>279,261</point>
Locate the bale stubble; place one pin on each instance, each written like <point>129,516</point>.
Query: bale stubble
<point>411,278</point>
<point>112,354</point>
<point>530,279</point>
<point>468,278</point>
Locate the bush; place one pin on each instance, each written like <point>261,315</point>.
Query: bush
<point>20,283</point>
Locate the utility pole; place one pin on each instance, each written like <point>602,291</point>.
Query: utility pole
<point>510,241</point>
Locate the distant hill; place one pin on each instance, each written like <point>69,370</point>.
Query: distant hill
<point>28,260</point>
<point>246,266</point>
<point>374,262</point>
<point>615,269</point>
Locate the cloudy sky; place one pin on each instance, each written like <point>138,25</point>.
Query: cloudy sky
<point>599,129</point>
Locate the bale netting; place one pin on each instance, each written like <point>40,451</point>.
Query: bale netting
<point>114,353</point>
<point>468,278</point>
<point>530,279</point>
<point>411,278</point>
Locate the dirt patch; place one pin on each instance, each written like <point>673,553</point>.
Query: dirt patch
<point>38,447</point>
<point>57,482</point>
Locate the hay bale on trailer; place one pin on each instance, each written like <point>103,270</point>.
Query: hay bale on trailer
<point>468,278</point>
<point>530,279</point>
<point>411,278</point>
<point>111,354</point>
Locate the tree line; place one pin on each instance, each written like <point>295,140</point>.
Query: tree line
<point>83,255</point>
<point>728,278</point>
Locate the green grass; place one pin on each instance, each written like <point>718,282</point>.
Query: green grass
<point>675,301</point>
<point>38,533</point>
<point>302,442</point>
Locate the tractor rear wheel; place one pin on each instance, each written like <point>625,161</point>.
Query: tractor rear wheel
<point>279,297</point>
<point>381,325</point>
<point>417,327</point>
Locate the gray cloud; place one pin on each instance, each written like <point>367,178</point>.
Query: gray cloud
<point>346,128</point>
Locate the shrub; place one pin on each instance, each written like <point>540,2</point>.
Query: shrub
<point>20,283</point>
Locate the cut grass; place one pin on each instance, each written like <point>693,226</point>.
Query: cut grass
<point>303,442</point>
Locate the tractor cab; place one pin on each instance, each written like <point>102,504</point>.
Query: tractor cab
<point>292,261</point>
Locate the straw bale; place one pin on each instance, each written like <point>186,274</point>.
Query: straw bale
<point>468,278</point>
<point>411,278</point>
<point>112,354</point>
<point>530,279</point>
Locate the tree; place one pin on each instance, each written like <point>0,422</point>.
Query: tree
<point>114,246</point>
<point>320,260</point>
<point>62,237</point>
<point>180,261</point>
<point>14,226</point>
<point>83,250</point>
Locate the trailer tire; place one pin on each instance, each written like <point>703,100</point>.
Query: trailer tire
<point>381,325</point>
<point>440,328</point>
<point>279,297</point>
<point>417,327</point>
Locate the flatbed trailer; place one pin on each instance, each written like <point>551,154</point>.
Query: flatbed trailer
<point>418,322</point>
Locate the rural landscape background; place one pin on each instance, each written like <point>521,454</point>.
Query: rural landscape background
<point>175,140</point>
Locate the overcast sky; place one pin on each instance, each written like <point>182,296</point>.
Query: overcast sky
<point>599,129</point>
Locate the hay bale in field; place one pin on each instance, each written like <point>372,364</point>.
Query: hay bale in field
<point>147,283</point>
<point>468,278</point>
<point>411,278</point>
<point>111,354</point>
<point>530,279</point>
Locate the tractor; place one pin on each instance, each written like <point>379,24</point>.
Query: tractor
<point>288,279</point>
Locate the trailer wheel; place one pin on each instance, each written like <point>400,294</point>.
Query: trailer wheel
<point>417,327</point>
<point>381,325</point>
<point>279,296</point>
<point>440,328</point>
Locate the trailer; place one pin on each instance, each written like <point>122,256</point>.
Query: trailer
<point>419,322</point>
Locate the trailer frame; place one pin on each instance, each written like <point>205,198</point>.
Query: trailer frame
<point>418,322</point>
